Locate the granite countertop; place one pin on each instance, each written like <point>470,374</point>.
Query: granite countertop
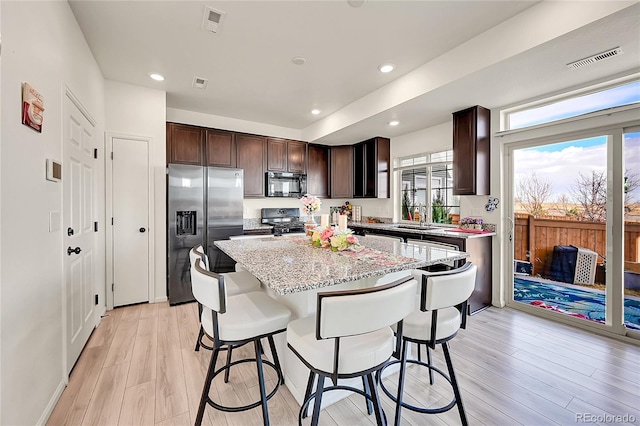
<point>290,264</point>
<point>429,230</point>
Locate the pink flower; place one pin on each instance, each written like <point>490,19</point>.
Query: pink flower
<point>351,239</point>
<point>326,233</point>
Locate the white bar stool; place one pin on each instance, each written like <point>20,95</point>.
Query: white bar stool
<point>235,321</point>
<point>350,336</point>
<point>443,311</point>
<point>236,282</point>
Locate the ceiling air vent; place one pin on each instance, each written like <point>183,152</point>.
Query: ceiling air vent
<point>199,82</point>
<point>595,58</point>
<point>212,20</point>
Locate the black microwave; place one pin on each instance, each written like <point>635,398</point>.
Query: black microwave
<point>281,184</point>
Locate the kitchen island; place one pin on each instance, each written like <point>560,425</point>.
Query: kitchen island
<point>293,272</point>
<point>477,243</point>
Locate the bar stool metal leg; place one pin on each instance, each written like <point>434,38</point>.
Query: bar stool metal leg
<point>429,362</point>
<point>207,386</point>
<point>454,384</point>
<point>263,392</point>
<point>367,390</point>
<point>307,392</point>
<point>274,353</point>
<point>317,402</point>
<point>403,369</point>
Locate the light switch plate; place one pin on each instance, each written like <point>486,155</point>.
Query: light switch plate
<point>54,221</point>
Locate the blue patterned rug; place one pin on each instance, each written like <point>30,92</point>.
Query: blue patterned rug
<point>572,300</point>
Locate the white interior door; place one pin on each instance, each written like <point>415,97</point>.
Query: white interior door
<point>130,186</point>
<point>78,179</point>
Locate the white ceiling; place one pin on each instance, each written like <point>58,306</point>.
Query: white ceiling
<point>251,76</point>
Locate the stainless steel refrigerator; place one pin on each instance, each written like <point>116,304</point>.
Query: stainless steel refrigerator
<point>204,205</point>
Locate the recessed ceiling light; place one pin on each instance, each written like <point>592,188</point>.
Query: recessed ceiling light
<point>315,111</point>
<point>386,68</point>
<point>298,60</point>
<point>394,123</point>
<point>156,77</point>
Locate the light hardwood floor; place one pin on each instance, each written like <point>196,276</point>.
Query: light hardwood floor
<point>139,368</point>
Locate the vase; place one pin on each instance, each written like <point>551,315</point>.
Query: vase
<point>310,225</point>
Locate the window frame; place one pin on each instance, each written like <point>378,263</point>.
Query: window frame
<point>507,112</point>
<point>424,160</point>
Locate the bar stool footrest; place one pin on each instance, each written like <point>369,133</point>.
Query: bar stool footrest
<point>254,404</point>
<point>422,410</point>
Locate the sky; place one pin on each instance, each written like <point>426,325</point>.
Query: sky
<point>622,95</point>
<point>560,164</point>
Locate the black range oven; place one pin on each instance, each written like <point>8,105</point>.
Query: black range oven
<point>284,221</point>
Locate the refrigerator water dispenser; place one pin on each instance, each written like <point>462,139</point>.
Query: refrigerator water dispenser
<point>186,222</point>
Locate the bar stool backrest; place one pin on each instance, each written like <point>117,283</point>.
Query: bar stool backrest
<point>359,311</point>
<point>196,252</point>
<point>446,289</point>
<point>208,288</point>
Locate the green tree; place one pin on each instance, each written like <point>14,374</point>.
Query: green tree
<point>406,203</point>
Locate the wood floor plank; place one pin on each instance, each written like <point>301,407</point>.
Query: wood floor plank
<point>150,310</point>
<point>121,348</point>
<point>513,368</point>
<point>180,420</point>
<point>171,390</point>
<point>145,352</point>
<point>75,399</point>
<point>103,334</point>
<point>194,374</point>
<point>188,325</point>
<point>138,406</point>
<point>106,401</point>
<point>168,334</point>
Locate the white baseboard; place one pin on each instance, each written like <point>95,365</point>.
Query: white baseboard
<point>160,299</point>
<point>52,403</point>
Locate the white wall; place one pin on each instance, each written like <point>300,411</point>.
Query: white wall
<point>50,55</point>
<point>225,123</point>
<point>138,111</point>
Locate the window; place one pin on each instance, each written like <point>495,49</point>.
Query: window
<point>426,188</point>
<point>573,106</point>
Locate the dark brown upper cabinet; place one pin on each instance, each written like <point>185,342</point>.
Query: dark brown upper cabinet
<point>342,171</point>
<point>286,156</point>
<point>371,177</point>
<point>318,170</point>
<point>471,151</point>
<point>220,148</point>
<point>184,144</point>
<point>297,156</point>
<point>251,156</point>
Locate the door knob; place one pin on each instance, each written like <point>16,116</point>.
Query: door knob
<point>76,250</point>
<point>69,231</point>
<point>142,229</point>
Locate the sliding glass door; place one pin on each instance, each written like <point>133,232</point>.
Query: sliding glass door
<point>574,228</point>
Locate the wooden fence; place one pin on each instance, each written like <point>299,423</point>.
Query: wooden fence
<point>538,236</point>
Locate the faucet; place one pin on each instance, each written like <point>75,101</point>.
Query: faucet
<point>422,210</point>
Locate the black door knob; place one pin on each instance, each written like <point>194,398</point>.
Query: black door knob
<point>142,229</point>
<point>69,231</point>
<point>76,250</point>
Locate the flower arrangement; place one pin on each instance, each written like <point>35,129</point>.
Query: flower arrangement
<point>471,222</point>
<point>334,238</point>
<point>310,203</point>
